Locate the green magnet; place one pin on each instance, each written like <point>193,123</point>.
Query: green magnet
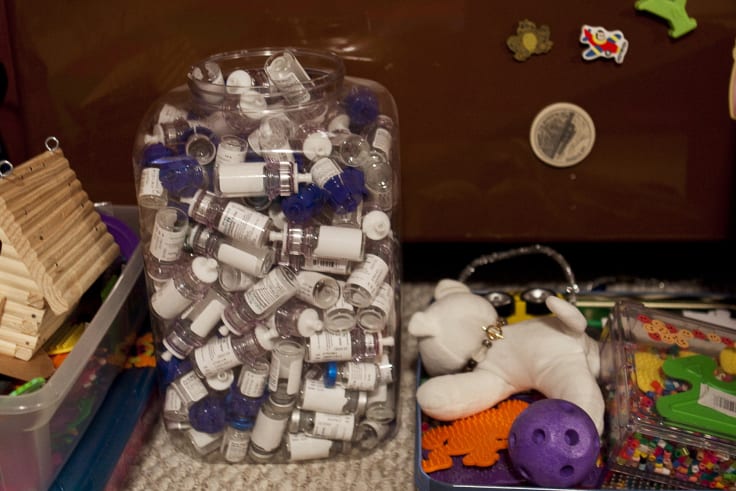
<point>671,10</point>
<point>709,405</point>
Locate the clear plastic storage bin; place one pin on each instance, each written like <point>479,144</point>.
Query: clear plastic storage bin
<point>268,189</point>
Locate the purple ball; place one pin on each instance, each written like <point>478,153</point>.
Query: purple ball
<point>554,443</point>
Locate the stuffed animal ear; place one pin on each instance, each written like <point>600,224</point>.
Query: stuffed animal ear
<point>447,287</point>
<point>422,325</point>
<point>570,316</point>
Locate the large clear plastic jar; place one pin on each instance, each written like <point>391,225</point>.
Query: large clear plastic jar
<point>255,145</point>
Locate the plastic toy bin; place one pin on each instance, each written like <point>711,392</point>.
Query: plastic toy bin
<point>39,430</point>
<point>672,398</point>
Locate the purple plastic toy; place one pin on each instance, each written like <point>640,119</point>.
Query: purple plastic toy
<point>554,443</point>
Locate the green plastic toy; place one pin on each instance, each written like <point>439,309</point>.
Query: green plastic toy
<point>671,10</point>
<point>709,404</point>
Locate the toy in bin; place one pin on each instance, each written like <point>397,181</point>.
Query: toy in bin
<point>673,404</point>
<point>475,361</point>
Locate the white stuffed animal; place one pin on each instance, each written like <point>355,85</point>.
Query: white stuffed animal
<point>551,354</point>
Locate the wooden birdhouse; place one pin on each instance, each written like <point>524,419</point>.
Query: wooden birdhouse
<point>53,246</point>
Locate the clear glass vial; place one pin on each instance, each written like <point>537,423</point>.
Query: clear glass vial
<point>189,283</point>
<point>208,242</point>
<point>300,447</point>
<point>323,425</point>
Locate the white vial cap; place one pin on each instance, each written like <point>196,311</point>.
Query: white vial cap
<point>266,337</point>
<point>309,323</point>
<point>253,104</point>
<point>340,243</point>
<point>339,123</point>
<point>316,145</point>
<point>208,318</point>
<point>387,341</point>
<point>238,81</point>
<point>376,225</point>
<point>221,380</point>
<point>205,268</point>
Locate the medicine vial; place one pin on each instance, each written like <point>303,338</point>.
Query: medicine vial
<point>189,283</point>
<point>355,345</point>
<point>286,73</point>
<point>369,434</point>
<point>208,414</point>
<point>374,317</point>
<point>315,396</point>
<point>192,330</point>
<point>269,430</point>
<point>301,447</point>
<point>231,218</point>
<point>295,318</point>
<point>284,381</point>
<point>230,351</point>
<point>323,425</point>
<point>380,407</point>
<point>233,280</point>
<point>324,241</point>
<point>380,135</point>
<point>248,394</point>
<point>379,180</point>
<point>339,184</point>
<point>318,289</point>
<point>350,149</point>
<point>174,409</point>
<point>341,316</point>
<point>376,224</point>
<point>171,133</point>
<point>249,259</point>
<point>316,143</point>
<point>190,388</point>
<point>254,179</point>
<point>366,279</point>
<point>152,196</point>
<point>166,245</point>
<point>272,138</point>
<point>231,150</point>
<point>200,146</point>
<point>235,440</point>
<point>204,443</point>
<point>259,301</point>
<point>365,376</point>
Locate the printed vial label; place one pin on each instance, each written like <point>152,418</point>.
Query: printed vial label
<point>267,432</point>
<point>267,292</point>
<point>316,397</point>
<point>370,275</point>
<point>242,223</point>
<point>304,447</point>
<point>215,356</point>
<point>384,300</point>
<point>150,184</point>
<point>382,140</point>
<point>326,346</point>
<point>360,376</point>
<point>330,266</point>
<point>166,245</point>
<point>191,388</point>
<point>172,401</point>
<point>253,384</point>
<point>231,150</point>
<point>293,381</point>
<point>323,170</point>
<point>235,449</point>
<point>334,426</point>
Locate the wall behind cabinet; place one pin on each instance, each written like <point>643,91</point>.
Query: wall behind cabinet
<point>662,167</point>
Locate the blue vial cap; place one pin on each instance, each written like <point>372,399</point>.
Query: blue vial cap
<point>244,425</point>
<point>330,376</point>
<point>155,151</point>
<point>303,206</point>
<point>208,415</point>
<point>180,175</point>
<point>172,369</point>
<point>361,105</point>
<point>341,194</point>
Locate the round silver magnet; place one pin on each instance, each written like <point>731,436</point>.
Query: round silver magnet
<point>562,134</point>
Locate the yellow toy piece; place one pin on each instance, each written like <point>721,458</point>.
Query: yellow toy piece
<point>727,360</point>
